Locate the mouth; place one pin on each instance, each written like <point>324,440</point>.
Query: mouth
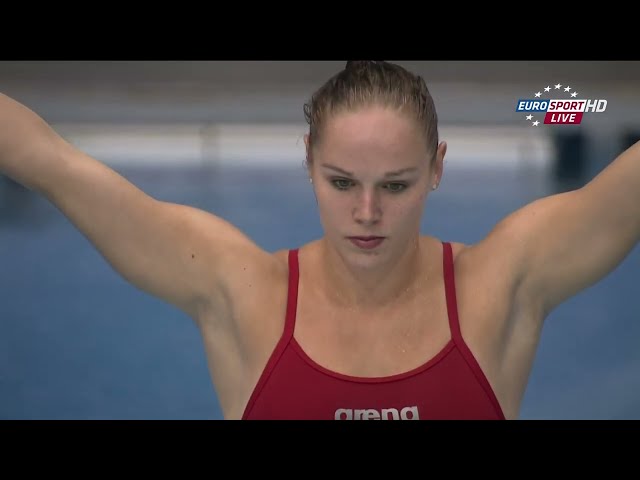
<point>366,242</point>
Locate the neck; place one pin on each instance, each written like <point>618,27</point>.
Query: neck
<point>350,285</point>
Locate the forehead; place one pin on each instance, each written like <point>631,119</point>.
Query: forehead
<point>373,134</point>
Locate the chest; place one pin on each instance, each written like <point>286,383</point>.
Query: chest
<point>372,342</point>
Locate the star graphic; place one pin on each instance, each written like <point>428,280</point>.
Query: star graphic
<point>568,89</point>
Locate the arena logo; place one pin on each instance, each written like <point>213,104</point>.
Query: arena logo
<point>406,413</point>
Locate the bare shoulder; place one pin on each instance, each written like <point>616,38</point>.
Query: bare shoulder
<point>254,271</point>
<point>490,261</point>
<point>435,246</point>
<point>498,322</point>
<point>257,279</point>
<point>457,248</point>
<point>240,332</point>
<point>281,258</point>
<point>482,259</point>
<point>487,281</point>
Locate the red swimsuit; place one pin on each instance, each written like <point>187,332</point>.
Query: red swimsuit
<point>451,385</point>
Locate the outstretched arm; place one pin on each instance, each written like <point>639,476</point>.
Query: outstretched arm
<point>559,245</point>
<point>180,254</point>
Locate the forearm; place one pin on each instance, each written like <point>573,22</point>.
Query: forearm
<point>30,150</point>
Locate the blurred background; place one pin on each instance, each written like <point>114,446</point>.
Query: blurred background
<point>77,342</point>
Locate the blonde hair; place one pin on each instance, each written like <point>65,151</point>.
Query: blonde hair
<point>363,83</point>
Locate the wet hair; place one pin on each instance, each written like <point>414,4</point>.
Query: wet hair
<point>364,83</point>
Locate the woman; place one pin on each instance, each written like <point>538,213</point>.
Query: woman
<point>373,320</point>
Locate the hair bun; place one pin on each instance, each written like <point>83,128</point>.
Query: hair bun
<point>360,65</point>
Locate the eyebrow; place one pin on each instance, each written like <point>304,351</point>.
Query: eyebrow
<point>395,173</point>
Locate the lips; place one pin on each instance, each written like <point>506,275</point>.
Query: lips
<point>366,242</point>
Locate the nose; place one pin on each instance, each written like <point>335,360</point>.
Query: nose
<point>367,210</point>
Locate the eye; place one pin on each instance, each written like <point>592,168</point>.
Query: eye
<point>341,183</point>
<point>396,187</point>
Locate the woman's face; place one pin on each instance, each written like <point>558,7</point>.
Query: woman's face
<point>372,173</point>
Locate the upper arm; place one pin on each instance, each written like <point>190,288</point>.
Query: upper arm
<point>183,255</point>
<point>178,253</point>
<point>560,245</point>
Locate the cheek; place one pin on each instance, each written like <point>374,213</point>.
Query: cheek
<point>405,209</point>
<point>331,206</point>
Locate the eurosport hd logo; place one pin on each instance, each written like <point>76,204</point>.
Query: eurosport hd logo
<point>558,111</point>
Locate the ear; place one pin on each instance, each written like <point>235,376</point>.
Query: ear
<point>438,167</point>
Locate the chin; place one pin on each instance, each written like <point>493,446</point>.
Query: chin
<point>365,258</point>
